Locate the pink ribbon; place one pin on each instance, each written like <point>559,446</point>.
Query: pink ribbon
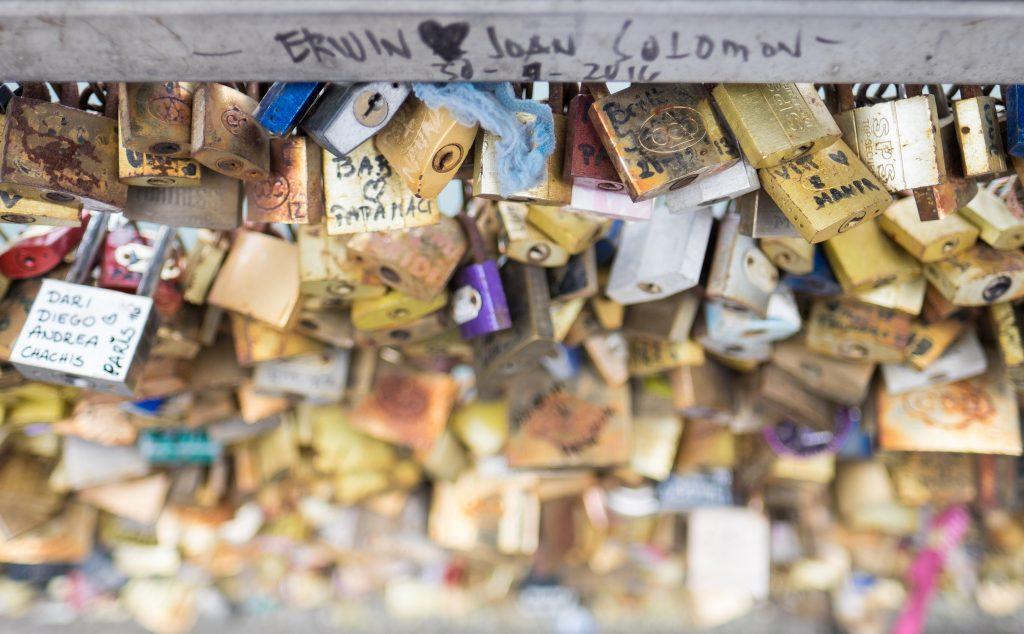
<point>946,531</point>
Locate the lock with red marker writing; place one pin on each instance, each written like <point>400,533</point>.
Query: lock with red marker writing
<point>478,304</point>
<point>126,253</point>
<point>37,254</point>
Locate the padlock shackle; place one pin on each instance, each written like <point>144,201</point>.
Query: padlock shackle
<point>597,90</point>
<point>89,247</point>
<point>969,91</point>
<point>161,249</point>
<point>844,97</point>
<point>476,241</point>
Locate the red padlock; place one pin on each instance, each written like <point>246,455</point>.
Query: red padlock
<point>125,254</point>
<point>37,254</point>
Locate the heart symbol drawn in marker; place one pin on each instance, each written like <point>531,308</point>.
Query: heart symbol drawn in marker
<point>445,41</point>
<point>839,157</point>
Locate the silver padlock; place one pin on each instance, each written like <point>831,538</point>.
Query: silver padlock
<point>741,274</point>
<point>760,217</point>
<point>317,376</point>
<point>88,337</point>
<point>964,359</point>
<point>660,257</point>
<point>215,204</point>
<point>728,324</point>
<point>348,114</point>
<point>734,181</point>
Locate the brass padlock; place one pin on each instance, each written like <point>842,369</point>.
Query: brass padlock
<point>409,332</point>
<point>670,318</point>
<point>426,146</point>
<point>348,115</point>
<point>331,327</point>
<point>863,258</point>
<point>554,189</point>
<point>418,261</point>
<point>1001,227</point>
<point>979,276</point>
<point>407,409</point>
<point>825,193</point>
<point>786,398</point>
<point>845,381</point>
<point>62,155</point>
<point>927,241</point>
<point>327,270</point>
<point>363,193</point>
<point>929,340</point>
<point>256,341</point>
<point>202,264</point>
<point>964,359</point>
<point>16,209</point>
<point>775,123</point>
<point>661,136</point>
<point>225,135</point>
<point>572,230</point>
<point>650,356</point>
<point>906,296</point>
<point>393,310</point>
<point>760,217</point>
<point>977,130</point>
<point>259,279</point>
<point>156,118</point>
<point>215,204</point>
<point>152,170</point>
<point>1008,322</point>
<point>523,242</point>
<point>793,255</point>
<point>849,329</point>
<point>741,274</point>
<point>294,193</point>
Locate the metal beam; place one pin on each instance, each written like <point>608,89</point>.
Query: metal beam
<point>916,41</point>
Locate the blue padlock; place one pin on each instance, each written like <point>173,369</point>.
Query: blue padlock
<point>820,281</point>
<point>1013,97</point>
<point>285,104</point>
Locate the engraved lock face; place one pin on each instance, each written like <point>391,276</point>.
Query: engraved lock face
<point>294,193</point>
<point>661,137</point>
<point>225,135</point>
<point>61,155</point>
<point>216,203</point>
<point>156,118</point>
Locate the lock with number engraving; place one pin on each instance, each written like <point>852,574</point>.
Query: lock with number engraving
<point>215,204</point>
<point>1001,226</point>
<point>928,241</point>
<point>522,242</point>
<point>479,305</point>
<point>775,123</point>
<point>426,146</point>
<point>660,257</point>
<point>156,118</point>
<point>661,136</point>
<point>90,337</point>
<point>294,193</point>
<point>793,255</point>
<point>979,276</point>
<point>977,130</point>
<point>37,253</point>
<point>285,104</point>
<point>347,115</point>
<point>864,259</point>
<point>418,261</point>
<point>741,274</point>
<point>225,136</point>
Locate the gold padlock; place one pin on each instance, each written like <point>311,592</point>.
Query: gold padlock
<point>294,193</point>
<point>574,231</point>
<point>661,137</point>
<point>259,279</point>
<point>152,170</point>
<point>650,356</point>
<point>257,341</point>
<point>393,310</point>
<point>426,327</point>
<point>326,269</point>
<point>929,340</point>
<point>1008,322</point>
<point>775,123</point>
<point>523,242</point>
<point>426,146</point>
<point>1000,226</point>
<point>225,136</point>
<point>363,193</point>
<point>16,209</point>
<point>825,193</point>
<point>927,241</point>
<point>407,409</point>
<point>863,258</point>
<point>907,297</point>
<point>202,264</point>
<point>793,255</point>
<point>849,329</point>
<point>156,118</point>
<point>977,130</point>
<point>979,276</point>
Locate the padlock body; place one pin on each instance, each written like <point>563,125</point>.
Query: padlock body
<point>1001,226</point>
<point>979,276</point>
<point>863,258</point>
<point>215,204</point>
<point>955,190</point>
<point>346,116</point>
<point>977,130</point>
<point>793,255</point>
<point>553,189</point>
<point>152,170</point>
<point>586,161</point>
<point>294,193</point>
<point>285,104</point>
<point>928,241</point>
<point>1014,100</point>
<point>17,209</point>
<point>225,136</point>
<point>820,281</point>
<point>478,303</point>
<point>156,118</point>
<point>731,182</point>
<point>760,217</point>
<point>37,255</point>
<point>614,204</point>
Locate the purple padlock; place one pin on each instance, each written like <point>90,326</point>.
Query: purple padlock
<point>787,438</point>
<point>479,306</point>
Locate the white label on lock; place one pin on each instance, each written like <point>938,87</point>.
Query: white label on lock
<point>82,331</point>
<point>466,304</point>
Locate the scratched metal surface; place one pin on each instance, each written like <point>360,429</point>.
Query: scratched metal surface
<point>644,40</point>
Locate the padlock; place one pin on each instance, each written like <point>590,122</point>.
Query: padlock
<point>1001,227</point>
<point>407,409</point>
<point>348,115</point>
<point>849,329</point>
<point>775,123</point>
<point>215,204</point>
<point>732,182</point>
<point>423,328</point>
<point>326,269</point>
<point>63,155</point>
<point>760,217</point>
<point>225,136</point>
<point>426,146</point>
<point>661,257</point>
<point>650,356</point>
<point>845,381</point>
<point>523,242</point>
<point>728,323</point>
<point>703,392</point>
<point>531,337</point>
<point>1008,323</point>
<point>90,337</point>
<point>741,274</point>
<point>202,264</point>
<point>319,377</point>
<point>600,202</point>
<point>256,341</point>
<point>285,104</point>
<point>956,189</point>
<point>259,279</point>
<point>393,310</point>
<point>786,398</point>
<point>156,118</point>
<point>820,281</point>
<point>573,231</point>
<point>331,327</point>
<point>609,353</point>
<point>123,261</point>
<point>418,261</point>
<point>38,253</point>
<point>977,130</point>
<point>979,276</point>
<point>907,296</point>
<point>825,193</point>
<point>670,318</point>
<point>964,359</point>
<point>863,258</point>
<point>152,170</point>
<point>661,137</point>
<point>554,189</point>
<point>294,193</point>
<point>362,193</point>
<point>479,306</point>
<point>938,308</point>
<point>927,241</point>
<point>576,280</point>
<point>793,255</point>
<point>897,140</point>
<point>1013,99</point>
<point>17,209</point>
<point>587,164</point>
<point>929,340</point>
